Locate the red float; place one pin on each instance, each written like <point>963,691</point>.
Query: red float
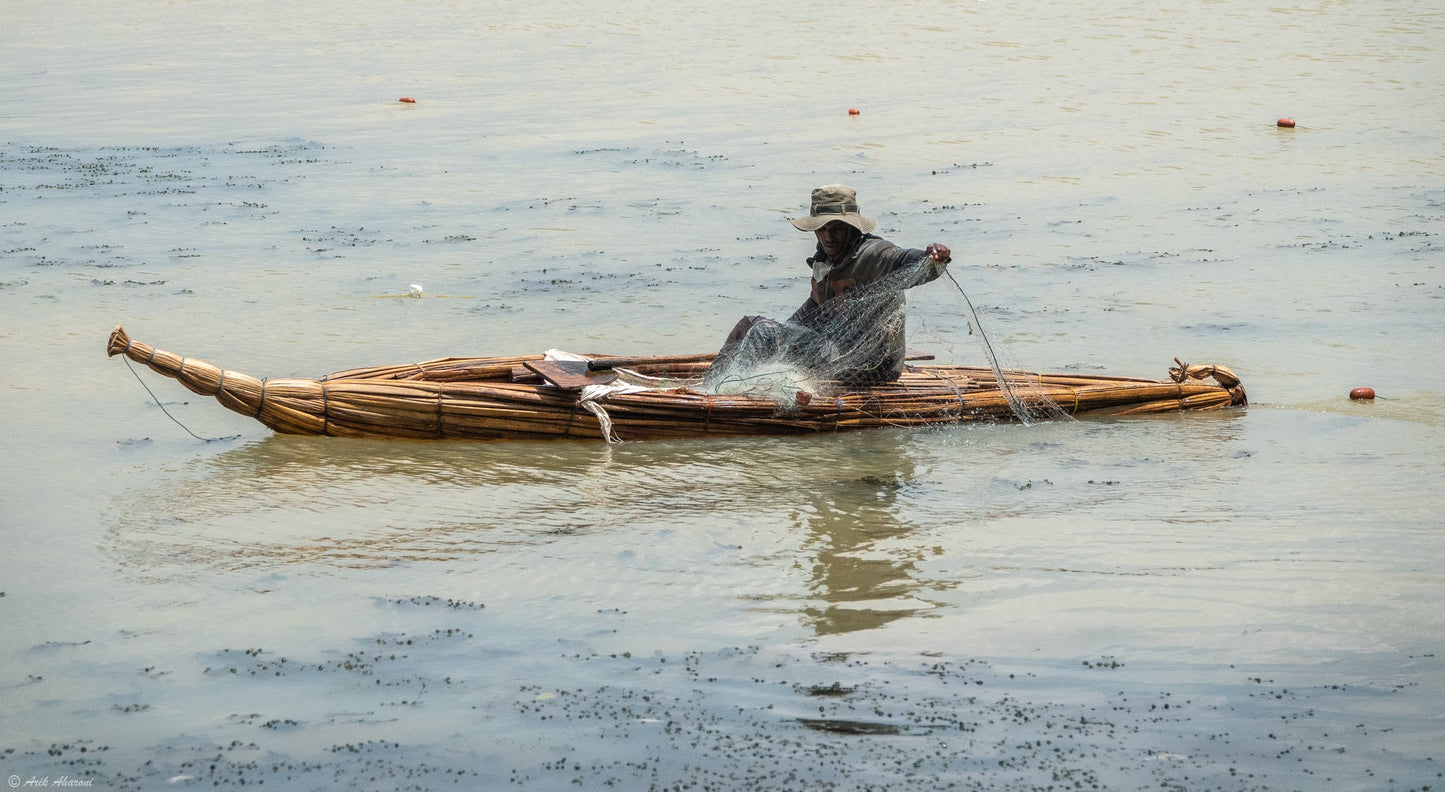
<point>1287,123</point>
<point>407,100</point>
<point>1362,393</point>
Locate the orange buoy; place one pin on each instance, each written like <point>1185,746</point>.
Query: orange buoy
<point>803,398</point>
<point>852,111</point>
<point>1359,394</point>
<point>407,100</point>
<point>1287,123</point>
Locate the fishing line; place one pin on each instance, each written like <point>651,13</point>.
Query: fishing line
<point>1016,403</point>
<point>168,412</point>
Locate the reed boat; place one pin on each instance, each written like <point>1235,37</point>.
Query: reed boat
<point>547,396</point>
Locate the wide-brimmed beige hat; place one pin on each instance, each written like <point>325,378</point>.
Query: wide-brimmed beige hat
<point>833,202</point>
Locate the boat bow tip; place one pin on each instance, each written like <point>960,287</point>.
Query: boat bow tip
<point>119,342</point>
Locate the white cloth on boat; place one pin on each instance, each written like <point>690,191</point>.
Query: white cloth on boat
<point>592,395</point>
<point>626,382</point>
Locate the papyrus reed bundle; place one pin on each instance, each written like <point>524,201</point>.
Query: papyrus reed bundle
<point>500,398</point>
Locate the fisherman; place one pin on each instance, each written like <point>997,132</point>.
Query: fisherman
<point>851,326</point>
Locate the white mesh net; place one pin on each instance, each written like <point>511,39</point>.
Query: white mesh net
<point>854,341</point>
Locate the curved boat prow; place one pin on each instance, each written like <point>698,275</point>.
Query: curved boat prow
<point>1226,378</point>
<point>293,406</point>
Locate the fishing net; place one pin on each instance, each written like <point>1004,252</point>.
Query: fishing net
<point>857,340</point>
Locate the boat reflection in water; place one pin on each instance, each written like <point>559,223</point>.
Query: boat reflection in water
<point>309,505</point>
<point>836,531</point>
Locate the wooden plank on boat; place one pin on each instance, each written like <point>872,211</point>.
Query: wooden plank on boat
<point>569,374</point>
<point>602,363</point>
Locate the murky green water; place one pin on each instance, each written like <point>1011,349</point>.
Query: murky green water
<point>1239,600</point>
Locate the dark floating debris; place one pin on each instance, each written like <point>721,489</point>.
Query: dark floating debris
<point>835,689</point>
<point>849,726</point>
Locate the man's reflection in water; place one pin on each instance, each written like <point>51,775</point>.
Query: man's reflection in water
<point>858,585</point>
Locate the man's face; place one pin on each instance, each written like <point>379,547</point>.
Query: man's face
<point>835,237</point>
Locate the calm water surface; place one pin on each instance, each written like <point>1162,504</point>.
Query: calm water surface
<point>1242,600</point>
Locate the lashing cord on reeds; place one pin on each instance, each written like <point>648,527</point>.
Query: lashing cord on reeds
<point>163,407</point>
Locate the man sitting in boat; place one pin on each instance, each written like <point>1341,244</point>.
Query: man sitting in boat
<point>851,326</point>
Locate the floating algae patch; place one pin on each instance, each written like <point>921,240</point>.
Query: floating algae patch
<point>748,719</point>
<point>453,702</point>
<point>754,719</point>
<point>189,763</point>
